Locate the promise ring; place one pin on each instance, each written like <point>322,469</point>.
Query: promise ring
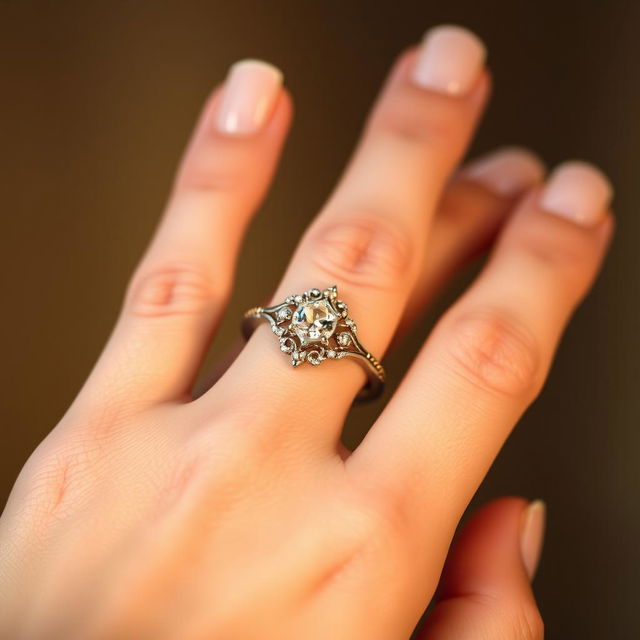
<point>316,326</point>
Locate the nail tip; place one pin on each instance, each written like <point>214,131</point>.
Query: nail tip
<point>251,91</point>
<point>534,159</point>
<point>578,191</point>
<point>507,171</point>
<point>538,504</point>
<point>590,170</point>
<point>257,63</point>
<point>450,60</point>
<point>532,535</point>
<point>459,31</point>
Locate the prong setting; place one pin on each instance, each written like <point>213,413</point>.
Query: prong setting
<point>315,326</point>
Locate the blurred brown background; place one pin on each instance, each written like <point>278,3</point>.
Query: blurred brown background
<point>98,99</point>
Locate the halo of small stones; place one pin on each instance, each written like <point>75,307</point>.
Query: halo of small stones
<point>336,347</point>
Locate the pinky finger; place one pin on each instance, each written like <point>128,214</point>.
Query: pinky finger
<point>485,590</point>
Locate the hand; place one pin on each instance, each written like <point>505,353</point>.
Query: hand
<point>237,515</point>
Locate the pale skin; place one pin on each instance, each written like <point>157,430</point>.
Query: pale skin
<point>150,513</point>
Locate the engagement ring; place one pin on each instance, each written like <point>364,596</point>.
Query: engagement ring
<point>315,326</point>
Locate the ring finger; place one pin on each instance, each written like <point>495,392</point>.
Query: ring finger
<point>472,208</point>
<point>370,237</point>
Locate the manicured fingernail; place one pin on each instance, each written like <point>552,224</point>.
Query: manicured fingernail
<point>450,60</point>
<point>577,191</point>
<point>532,535</point>
<point>507,172</point>
<point>249,95</point>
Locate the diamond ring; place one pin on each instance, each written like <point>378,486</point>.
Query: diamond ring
<point>315,326</point>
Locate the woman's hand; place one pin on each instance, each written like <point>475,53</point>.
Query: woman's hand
<point>238,515</point>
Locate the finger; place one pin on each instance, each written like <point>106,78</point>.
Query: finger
<point>370,236</point>
<point>485,590</point>
<point>488,356</point>
<point>180,288</point>
<point>473,207</point>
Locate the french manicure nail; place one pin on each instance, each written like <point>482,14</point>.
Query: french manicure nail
<point>450,60</point>
<point>507,172</point>
<point>532,535</point>
<point>250,93</point>
<point>577,191</point>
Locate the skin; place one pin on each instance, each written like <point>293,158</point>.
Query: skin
<point>146,513</point>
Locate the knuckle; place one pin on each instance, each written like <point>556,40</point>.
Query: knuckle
<point>385,518</point>
<point>370,530</point>
<point>495,352</point>
<point>54,481</point>
<point>563,249</point>
<point>42,487</point>
<point>383,514</point>
<point>198,176</point>
<point>222,455</point>
<point>214,165</point>
<point>418,116</point>
<point>176,289</point>
<point>362,251</point>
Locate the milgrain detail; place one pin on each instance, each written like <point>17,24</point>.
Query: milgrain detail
<point>376,365</point>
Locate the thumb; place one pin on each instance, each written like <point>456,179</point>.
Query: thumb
<point>485,592</point>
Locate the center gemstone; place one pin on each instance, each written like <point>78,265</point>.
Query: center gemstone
<point>314,321</point>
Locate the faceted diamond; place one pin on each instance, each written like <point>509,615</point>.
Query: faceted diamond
<point>314,321</point>
<point>344,339</point>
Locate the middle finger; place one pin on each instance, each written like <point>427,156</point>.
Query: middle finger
<point>370,237</point>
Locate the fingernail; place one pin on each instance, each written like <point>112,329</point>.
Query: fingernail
<point>577,191</point>
<point>507,172</point>
<point>250,93</point>
<point>450,60</point>
<point>532,535</point>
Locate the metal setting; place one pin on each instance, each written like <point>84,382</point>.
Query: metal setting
<point>315,326</point>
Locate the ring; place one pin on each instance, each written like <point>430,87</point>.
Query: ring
<point>316,326</point>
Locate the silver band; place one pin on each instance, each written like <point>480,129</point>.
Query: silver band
<point>316,326</point>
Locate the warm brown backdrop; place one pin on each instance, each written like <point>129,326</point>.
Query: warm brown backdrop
<point>97,101</point>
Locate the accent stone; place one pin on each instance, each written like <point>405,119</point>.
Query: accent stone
<point>343,339</point>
